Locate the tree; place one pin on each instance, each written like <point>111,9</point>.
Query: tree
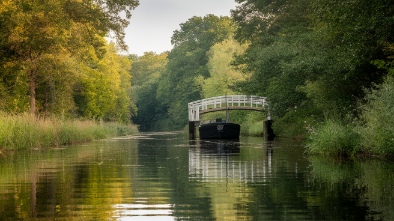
<point>147,70</point>
<point>148,67</point>
<point>36,32</point>
<point>104,91</point>
<point>313,56</point>
<point>277,56</point>
<point>223,77</point>
<point>187,61</point>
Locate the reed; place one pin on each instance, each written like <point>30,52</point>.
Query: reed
<point>23,132</point>
<point>333,138</point>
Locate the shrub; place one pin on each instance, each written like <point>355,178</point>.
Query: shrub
<point>333,138</point>
<point>376,124</point>
<point>252,123</point>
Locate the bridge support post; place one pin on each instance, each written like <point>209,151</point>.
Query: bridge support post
<point>192,130</point>
<point>268,131</point>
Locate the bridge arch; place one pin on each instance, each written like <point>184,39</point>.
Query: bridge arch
<point>228,102</point>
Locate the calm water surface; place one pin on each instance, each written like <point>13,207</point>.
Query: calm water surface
<point>164,176</point>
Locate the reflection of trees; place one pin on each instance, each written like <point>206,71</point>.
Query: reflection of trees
<point>351,190</point>
<point>331,191</point>
<point>243,182</point>
<point>166,163</point>
<point>280,198</point>
<point>43,186</point>
<point>378,176</point>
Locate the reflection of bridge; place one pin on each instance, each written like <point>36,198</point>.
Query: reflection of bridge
<point>228,102</point>
<point>205,166</point>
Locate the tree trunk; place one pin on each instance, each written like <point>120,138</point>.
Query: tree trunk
<point>32,84</point>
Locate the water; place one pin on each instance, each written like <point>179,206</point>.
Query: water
<point>164,176</point>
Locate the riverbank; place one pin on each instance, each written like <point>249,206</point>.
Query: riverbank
<point>24,132</point>
<point>371,132</point>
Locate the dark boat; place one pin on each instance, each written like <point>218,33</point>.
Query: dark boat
<point>219,130</point>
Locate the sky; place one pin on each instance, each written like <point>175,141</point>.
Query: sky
<point>154,21</point>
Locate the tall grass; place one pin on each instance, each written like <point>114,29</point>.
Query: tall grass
<point>333,138</point>
<point>22,132</point>
<point>376,124</point>
<point>372,133</point>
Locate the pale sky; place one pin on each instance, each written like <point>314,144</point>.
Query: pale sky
<point>154,21</point>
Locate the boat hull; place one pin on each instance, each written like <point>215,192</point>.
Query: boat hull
<point>219,130</point>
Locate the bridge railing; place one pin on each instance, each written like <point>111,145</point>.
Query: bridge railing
<point>223,102</point>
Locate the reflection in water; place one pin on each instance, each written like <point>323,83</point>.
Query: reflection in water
<point>161,176</point>
<point>143,212</point>
<point>226,171</point>
<point>218,161</point>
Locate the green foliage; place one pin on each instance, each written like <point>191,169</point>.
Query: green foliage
<point>377,120</point>
<point>360,27</point>
<point>252,124</point>
<point>202,32</point>
<point>147,67</point>
<point>223,77</point>
<point>147,106</point>
<point>187,62</point>
<point>313,55</point>
<point>278,71</point>
<point>52,94</point>
<point>373,134</point>
<point>146,71</point>
<point>296,122</point>
<point>13,90</point>
<point>47,47</point>
<point>104,90</point>
<point>333,138</point>
<point>24,132</point>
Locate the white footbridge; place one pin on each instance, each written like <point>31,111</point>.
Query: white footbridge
<point>228,102</point>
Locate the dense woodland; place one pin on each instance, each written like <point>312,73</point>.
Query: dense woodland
<point>326,67</point>
<point>55,60</point>
<point>321,63</point>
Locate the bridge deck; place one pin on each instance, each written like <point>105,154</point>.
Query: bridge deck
<point>231,102</point>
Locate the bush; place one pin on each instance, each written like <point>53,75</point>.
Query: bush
<point>376,124</point>
<point>333,138</point>
<point>295,123</point>
<point>252,123</point>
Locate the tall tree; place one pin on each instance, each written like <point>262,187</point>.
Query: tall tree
<point>148,67</point>
<point>147,70</point>
<point>313,54</point>
<point>104,90</point>
<point>36,31</point>
<point>223,76</point>
<point>278,34</point>
<point>187,61</point>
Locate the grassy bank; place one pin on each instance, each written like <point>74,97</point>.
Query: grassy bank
<point>333,138</point>
<point>23,132</point>
<point>372,132</point>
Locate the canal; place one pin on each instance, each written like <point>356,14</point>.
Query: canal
<point>164,176</point>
